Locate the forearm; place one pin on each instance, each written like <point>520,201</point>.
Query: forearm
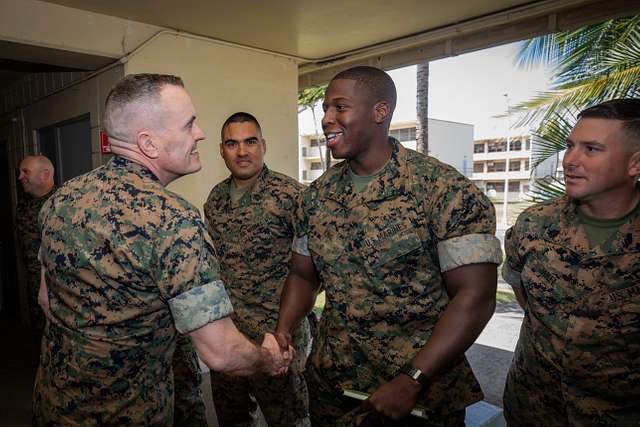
<point>473,290</point>
<point>224,349</point>
<point>521,297</point>
<point>296,302</point>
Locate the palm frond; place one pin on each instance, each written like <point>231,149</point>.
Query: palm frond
<point>546,188</point>
<point>550,138</point>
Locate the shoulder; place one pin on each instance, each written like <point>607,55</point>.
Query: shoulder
<point>218,191</point>
<point>540,216</point>
<point>327,181</point>
<point>283,182</point>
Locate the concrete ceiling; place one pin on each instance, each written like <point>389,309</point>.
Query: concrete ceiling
<point>307,29</point>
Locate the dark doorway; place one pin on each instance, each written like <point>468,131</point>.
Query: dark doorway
<point>68,145</point>
<point>8,274</point>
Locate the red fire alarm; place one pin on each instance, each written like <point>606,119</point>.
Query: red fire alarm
<point>105,148</point>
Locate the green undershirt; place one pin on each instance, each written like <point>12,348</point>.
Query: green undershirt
<point>360,182</point>
<point>236,193</point>
<point>600,230</point>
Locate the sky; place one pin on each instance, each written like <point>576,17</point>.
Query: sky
<point>469,88</point>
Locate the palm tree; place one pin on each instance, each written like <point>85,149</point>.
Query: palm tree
<point>422,110</point>
<point>592,64</point>
<point>307,99</point>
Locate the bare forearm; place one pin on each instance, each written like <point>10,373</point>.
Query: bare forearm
<point>296,302</point>
<point>473,290</point>
<point>224,349</point>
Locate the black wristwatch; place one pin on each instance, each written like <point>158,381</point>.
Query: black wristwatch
<point>415,374</point>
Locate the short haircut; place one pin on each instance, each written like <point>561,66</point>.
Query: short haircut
<point>378,83</point>
<point>133,90</point>
<point>239,117</point>
<point>627,110</point>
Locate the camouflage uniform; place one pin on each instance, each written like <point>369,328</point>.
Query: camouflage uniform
<point>29,236</point>
<point>577,359</point>
<point>380,255</point>
<point>129,264</point>
<point>253,243</point>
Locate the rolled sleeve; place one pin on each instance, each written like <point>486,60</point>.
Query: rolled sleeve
<point>300,246</point>
<point>199,306</point>
<point>511,275</point>
<point>469,249</point>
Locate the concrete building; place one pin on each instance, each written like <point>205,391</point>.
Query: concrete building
<point>502,163</point>
<point>449,142</point>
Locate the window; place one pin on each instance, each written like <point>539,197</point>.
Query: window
<point>478,148</point>
<point>514,165</point>
<point>515,145</point>
<point>478,167</point>
<point>525,188</point>
<point>496,166</point>
<point>404,134</point>
<point>514,187</point>
<point>526,165</point>
<point>314,142</point>
<point>497,146</point>
<point>315,166</point>
<point>528,144</point>
<point>497,186</point>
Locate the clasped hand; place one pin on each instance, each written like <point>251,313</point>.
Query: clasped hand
<point>280,357</point>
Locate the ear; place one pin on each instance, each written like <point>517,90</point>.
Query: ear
<point>634,164</point>
<point>381,111</point>
<point>221,149</point>
<point>264,145</point>
<point>147,145</point>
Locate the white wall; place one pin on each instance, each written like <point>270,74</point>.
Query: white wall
<point>452,143</point>
<point>223,80</point>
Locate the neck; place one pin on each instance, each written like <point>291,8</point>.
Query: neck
<point>130,153</point>
<point>373,159</point>
<point>615,206</point>
<point>43,191</point>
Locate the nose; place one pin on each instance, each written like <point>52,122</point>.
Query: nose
<point>199,134</point>
<point>328,118</point>
<point>570,159</point>
<point>21,177</point>
<point>242,148</point>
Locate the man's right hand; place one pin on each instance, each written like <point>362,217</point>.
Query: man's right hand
<point>281,356</point>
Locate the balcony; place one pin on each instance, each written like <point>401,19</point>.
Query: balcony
<point>311,152</point>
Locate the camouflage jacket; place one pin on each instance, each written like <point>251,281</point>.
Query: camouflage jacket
<point>27,227</point>
<point>380,255</point>
<point>127,263</point>
<point>253,240</point>
<point>583,304</point>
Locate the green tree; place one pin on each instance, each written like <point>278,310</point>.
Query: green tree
<point>591,64</point>
<point>307,99</point>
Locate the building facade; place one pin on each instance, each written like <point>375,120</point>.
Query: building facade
<point>449,142</point>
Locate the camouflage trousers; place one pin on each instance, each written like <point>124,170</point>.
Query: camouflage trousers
<point>283,401</point>
<point>537,394</point>
<point>189,408</point>
<point>329,408</point>
<point>36,315</point>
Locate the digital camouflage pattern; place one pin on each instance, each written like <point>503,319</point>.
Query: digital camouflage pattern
<point>379,255</point>
<point>29,238</point>
<point>125,260</point>
<point>253,238</point>
<point>576,362</point>
<point>189,409</point>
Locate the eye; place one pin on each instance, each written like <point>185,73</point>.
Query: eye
<point>341,107</point>
<point>251,142</point>
<point>230,144</point>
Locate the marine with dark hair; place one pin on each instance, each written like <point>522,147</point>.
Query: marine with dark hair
<point>250,219</point>
<point>404,247</point>
<point>574,264</point>
<point>129,268</point>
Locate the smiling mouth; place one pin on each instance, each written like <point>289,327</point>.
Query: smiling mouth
<point>332,137</point>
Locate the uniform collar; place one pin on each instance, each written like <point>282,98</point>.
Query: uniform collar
<point>254,194</point>
<point>390,183</point>
<point>122,166</point>
<point>569,233</point>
